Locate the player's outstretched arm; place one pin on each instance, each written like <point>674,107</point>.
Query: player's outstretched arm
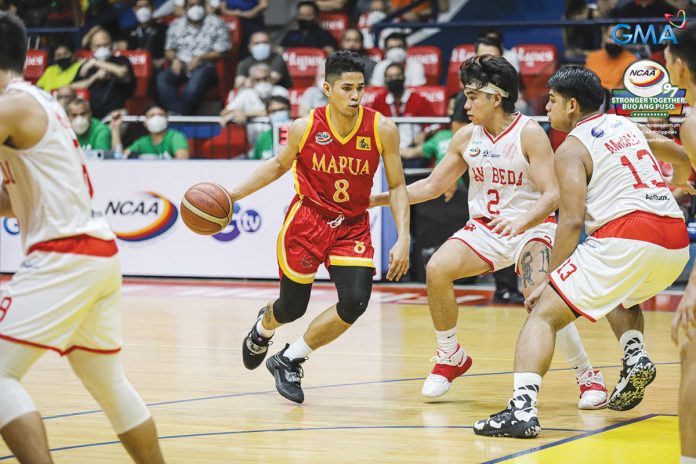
<point>572,164</point>
<point>275,167</point>
<point>398,199</point>
<point>667,150</point>
<point>537,147</point>
<point>446,173</point>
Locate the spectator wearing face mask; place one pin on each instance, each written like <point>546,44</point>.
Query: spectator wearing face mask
<point>352,40</point>
<point>278,109</point>
<point>400,101</point>
<point>194,43</point>
<point>610,62</point>
<point>314,96</point>
<point>63,70</point>
<point>395,53</point>
<point>109,78</point>
<point>250,102</point>
<point>260,51</point>
<point>148,34</point>
<point>160,143</point>
<point>65,95</point>
<point>91,133</point>
<point>309,32</point>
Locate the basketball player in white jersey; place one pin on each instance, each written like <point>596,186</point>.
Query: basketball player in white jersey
<point>637,244</point>
<point>512,197</point>
<point>65,296</point>
<point>681,64</point>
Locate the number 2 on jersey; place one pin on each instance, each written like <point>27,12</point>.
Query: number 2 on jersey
<point>659,182</point>
<point>494,201</point>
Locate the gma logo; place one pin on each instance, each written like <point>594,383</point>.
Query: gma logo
<point>624,34</point>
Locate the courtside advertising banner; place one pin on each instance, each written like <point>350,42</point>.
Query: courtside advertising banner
<point>140,200</point>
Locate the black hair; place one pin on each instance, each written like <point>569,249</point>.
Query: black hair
<point>70,46</point>
<point>580,83</point>
<point>481,70</point>
<point>395,65</point>
<point>396,35</point>
<point>311,4</point>
<point>13,46</point>
<point>153,105</point>
<point>340,62</point>
<point>278,99</point>
<point>80,101</point>
<point>685,48</point>
<point>490,42</point>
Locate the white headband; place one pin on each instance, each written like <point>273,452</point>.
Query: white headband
<point>489,88</point>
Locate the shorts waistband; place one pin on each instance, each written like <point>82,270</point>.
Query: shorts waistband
<point>78,245</point>
<point>484,221</point>
<point>666,231</point>
<point>331,215</point>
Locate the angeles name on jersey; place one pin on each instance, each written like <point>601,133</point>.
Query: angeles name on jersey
<point>625,141</point>
<point>356,166</point>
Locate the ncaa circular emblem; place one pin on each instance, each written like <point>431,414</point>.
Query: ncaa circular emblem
<point>646,78</point>
<point>11,226</point>
<point>597,132</point>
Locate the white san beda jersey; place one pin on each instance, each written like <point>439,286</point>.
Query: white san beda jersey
<point>499,173</point>
<point>625,174</point>
<point>48,184</point>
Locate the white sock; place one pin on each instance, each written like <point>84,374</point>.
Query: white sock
<point>687,460</point>
<point>526,388</point>
<point>263,331</point>
<point>569,343</point>
<point>447,341</point>
<point>631,342</point>
<point>298,349</point>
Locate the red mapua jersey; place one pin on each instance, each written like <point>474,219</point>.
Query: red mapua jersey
<point>337,172</point>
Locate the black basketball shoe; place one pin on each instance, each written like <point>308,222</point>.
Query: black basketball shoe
<point>510,422</point>
<point>288,374</point>
<point>637,373</point>
<point>255,346</point>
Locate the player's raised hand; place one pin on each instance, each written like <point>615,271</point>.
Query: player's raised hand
<point>533,298</point>
<point>685,317</point>
<point>398,259</point>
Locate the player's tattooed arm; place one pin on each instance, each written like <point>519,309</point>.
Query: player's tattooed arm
<point>275,167</point>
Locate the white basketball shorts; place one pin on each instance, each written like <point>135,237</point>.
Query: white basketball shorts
<point>65,296</point>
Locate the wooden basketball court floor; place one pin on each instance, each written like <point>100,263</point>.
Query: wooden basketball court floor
<point>363,402</point>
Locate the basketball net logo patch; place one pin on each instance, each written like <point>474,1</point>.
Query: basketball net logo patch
<point>363,143</point>
<point>359,247</point>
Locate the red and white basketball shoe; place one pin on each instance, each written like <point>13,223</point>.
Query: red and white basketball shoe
<point>593,392</point>
<point>446,369</point>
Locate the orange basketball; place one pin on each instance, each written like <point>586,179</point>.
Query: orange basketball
<point>206,208</point>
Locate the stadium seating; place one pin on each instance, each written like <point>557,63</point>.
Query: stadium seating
<point>335,23</point>
<point>431,57</point>
<point>537,63</point>
<point>371,94</point>
<point>35,64</point>
<point>376,54</point>
<point>294,95</point>
<point>303,64</point>
<point>230,143</point>
<point>460,54</point>
<point>436,95</point>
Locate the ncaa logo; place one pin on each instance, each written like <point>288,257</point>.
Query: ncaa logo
<point>323,138</point>
<point>11,226</point>
<point>248,221</point>
<point>597,132</point>
<point>474,152</point>
<point>646,78</point>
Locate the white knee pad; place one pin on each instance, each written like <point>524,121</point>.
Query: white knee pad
<point>14,400</point>
<point>103,376</point>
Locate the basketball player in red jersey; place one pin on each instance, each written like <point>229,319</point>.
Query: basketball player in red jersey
<point>681,64</point>
<point>334,154</point>
<point>512,196</point>
<point>65,296</point>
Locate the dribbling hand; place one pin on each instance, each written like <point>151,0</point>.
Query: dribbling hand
<point>398,259</point>
<point>685,317</point>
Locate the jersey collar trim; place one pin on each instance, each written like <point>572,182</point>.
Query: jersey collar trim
<point>505,132</point>
<point>344,140</point>
<point>591,118</point>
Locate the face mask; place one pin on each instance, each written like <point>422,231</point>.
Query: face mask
<point>306,24</point>
<point>396,86</point>
<point>260,51</point>
<point>279,116</point>
<point>156,124</point>
<point>64,63</point>
<point>613,50</point>
<point>80,125</point>
<point>263,89</point>
<point>102,53</point>
<point>143,15</point>
<point>195,13</point>
<point>396,55</point>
